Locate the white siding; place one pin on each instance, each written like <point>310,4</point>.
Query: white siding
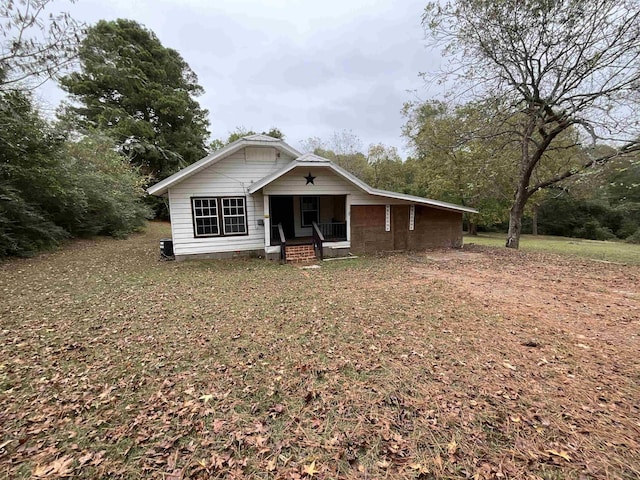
<point>326,183</point>
<point>229,177</point>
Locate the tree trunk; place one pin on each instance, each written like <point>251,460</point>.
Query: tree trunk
<point>534,220</point>
<point>515,217</point>
<point>473,229</point>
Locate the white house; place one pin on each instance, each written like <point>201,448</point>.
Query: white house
<point>259,196</point>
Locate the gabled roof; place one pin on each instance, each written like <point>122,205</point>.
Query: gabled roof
<point>259,140</point>
<point>306,160</point>
<point>312,160</point>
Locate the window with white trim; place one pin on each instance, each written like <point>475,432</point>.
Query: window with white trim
<point>205,217</point>
<point>214,216</point>
<point>310,210</point>
<point>234,216</point>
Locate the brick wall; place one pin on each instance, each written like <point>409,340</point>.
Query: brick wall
<point>433,228</point>
<point>367,229</point>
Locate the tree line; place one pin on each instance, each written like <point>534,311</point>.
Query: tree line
<point>601,204</point>
<point>540,130</point>
<point>131,119</point>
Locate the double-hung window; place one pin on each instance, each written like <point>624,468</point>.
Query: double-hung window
<point>234,216</point>
<point>219,216</point>
<point>310,209</point>
<point>205,217</point>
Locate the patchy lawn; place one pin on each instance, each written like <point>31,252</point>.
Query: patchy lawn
<point>480,363</point>
<point>618,252</point>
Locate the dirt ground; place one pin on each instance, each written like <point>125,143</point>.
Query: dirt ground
<point>594,302</point>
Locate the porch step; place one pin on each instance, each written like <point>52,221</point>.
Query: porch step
<point>300,254</point>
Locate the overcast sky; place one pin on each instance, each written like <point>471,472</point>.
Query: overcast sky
<point>309,68</point>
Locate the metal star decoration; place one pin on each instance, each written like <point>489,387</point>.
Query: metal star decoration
<point>310,178</point>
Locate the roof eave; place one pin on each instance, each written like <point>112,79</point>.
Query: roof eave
<point>424,201</point>
<point>163,186</point>
<point>358,183</point>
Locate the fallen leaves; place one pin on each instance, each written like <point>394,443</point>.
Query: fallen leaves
<point>509,366</point>
<point>200,370</point>
<point>61,467</point>
<point>206,398</point>
<point>310,470</point>
<point>452,447</point>
<point>561,454</point>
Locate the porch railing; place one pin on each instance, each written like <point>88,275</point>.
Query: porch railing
<point>330,230</point>
<point>334,230</point>
<point>283,244</point>
<point>318,239</point>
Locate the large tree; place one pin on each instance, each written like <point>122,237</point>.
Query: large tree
<point>142,94</point>
<point>561,65</point>
<point>452,163</point>
<point>386,169</point>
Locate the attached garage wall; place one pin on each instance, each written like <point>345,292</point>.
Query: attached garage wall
<point>367,229</point>
<point>433,228</point>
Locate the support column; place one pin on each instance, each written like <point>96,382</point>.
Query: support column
<point>347,215</point>
<point>267,221</point>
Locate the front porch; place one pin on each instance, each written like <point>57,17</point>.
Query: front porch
<point>318,220</point>
<point>296,214</point>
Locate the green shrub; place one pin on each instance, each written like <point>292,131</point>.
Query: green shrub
<point>108,190</point>
<point>594,231</point>
<point>51,189</point>
<point>593,219</point>
<point>23,228</point>
<point>634,237</point>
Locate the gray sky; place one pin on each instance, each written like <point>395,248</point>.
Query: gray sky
<point>309,68</point>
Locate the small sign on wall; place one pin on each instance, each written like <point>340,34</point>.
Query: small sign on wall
<point>412,217</point>
<point>387,218</point>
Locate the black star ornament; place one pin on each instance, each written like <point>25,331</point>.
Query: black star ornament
<point>310,178</point>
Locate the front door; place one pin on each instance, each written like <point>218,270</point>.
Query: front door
<point>282,212</point>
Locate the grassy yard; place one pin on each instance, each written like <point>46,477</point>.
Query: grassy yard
<point>479,363</point>
<point>607,251</point>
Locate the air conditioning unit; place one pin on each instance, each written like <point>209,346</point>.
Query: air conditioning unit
<point>166,248</point>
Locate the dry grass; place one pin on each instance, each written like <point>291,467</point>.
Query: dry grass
<point>610,251</point>
<point>481,363</point>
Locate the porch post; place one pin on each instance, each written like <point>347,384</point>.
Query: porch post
<point>347,215</point>
<point>267,221</point>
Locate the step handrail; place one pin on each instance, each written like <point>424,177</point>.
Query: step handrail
<point>283,244</point>
<point>318,240</point>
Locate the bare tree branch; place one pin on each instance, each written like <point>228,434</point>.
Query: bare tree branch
<point>553,65</point>
<point>32,47</point>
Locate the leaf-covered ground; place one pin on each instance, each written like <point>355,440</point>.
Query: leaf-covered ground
<point>480,363</point>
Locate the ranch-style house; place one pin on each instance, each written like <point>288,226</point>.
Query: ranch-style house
<point>259,196</point>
